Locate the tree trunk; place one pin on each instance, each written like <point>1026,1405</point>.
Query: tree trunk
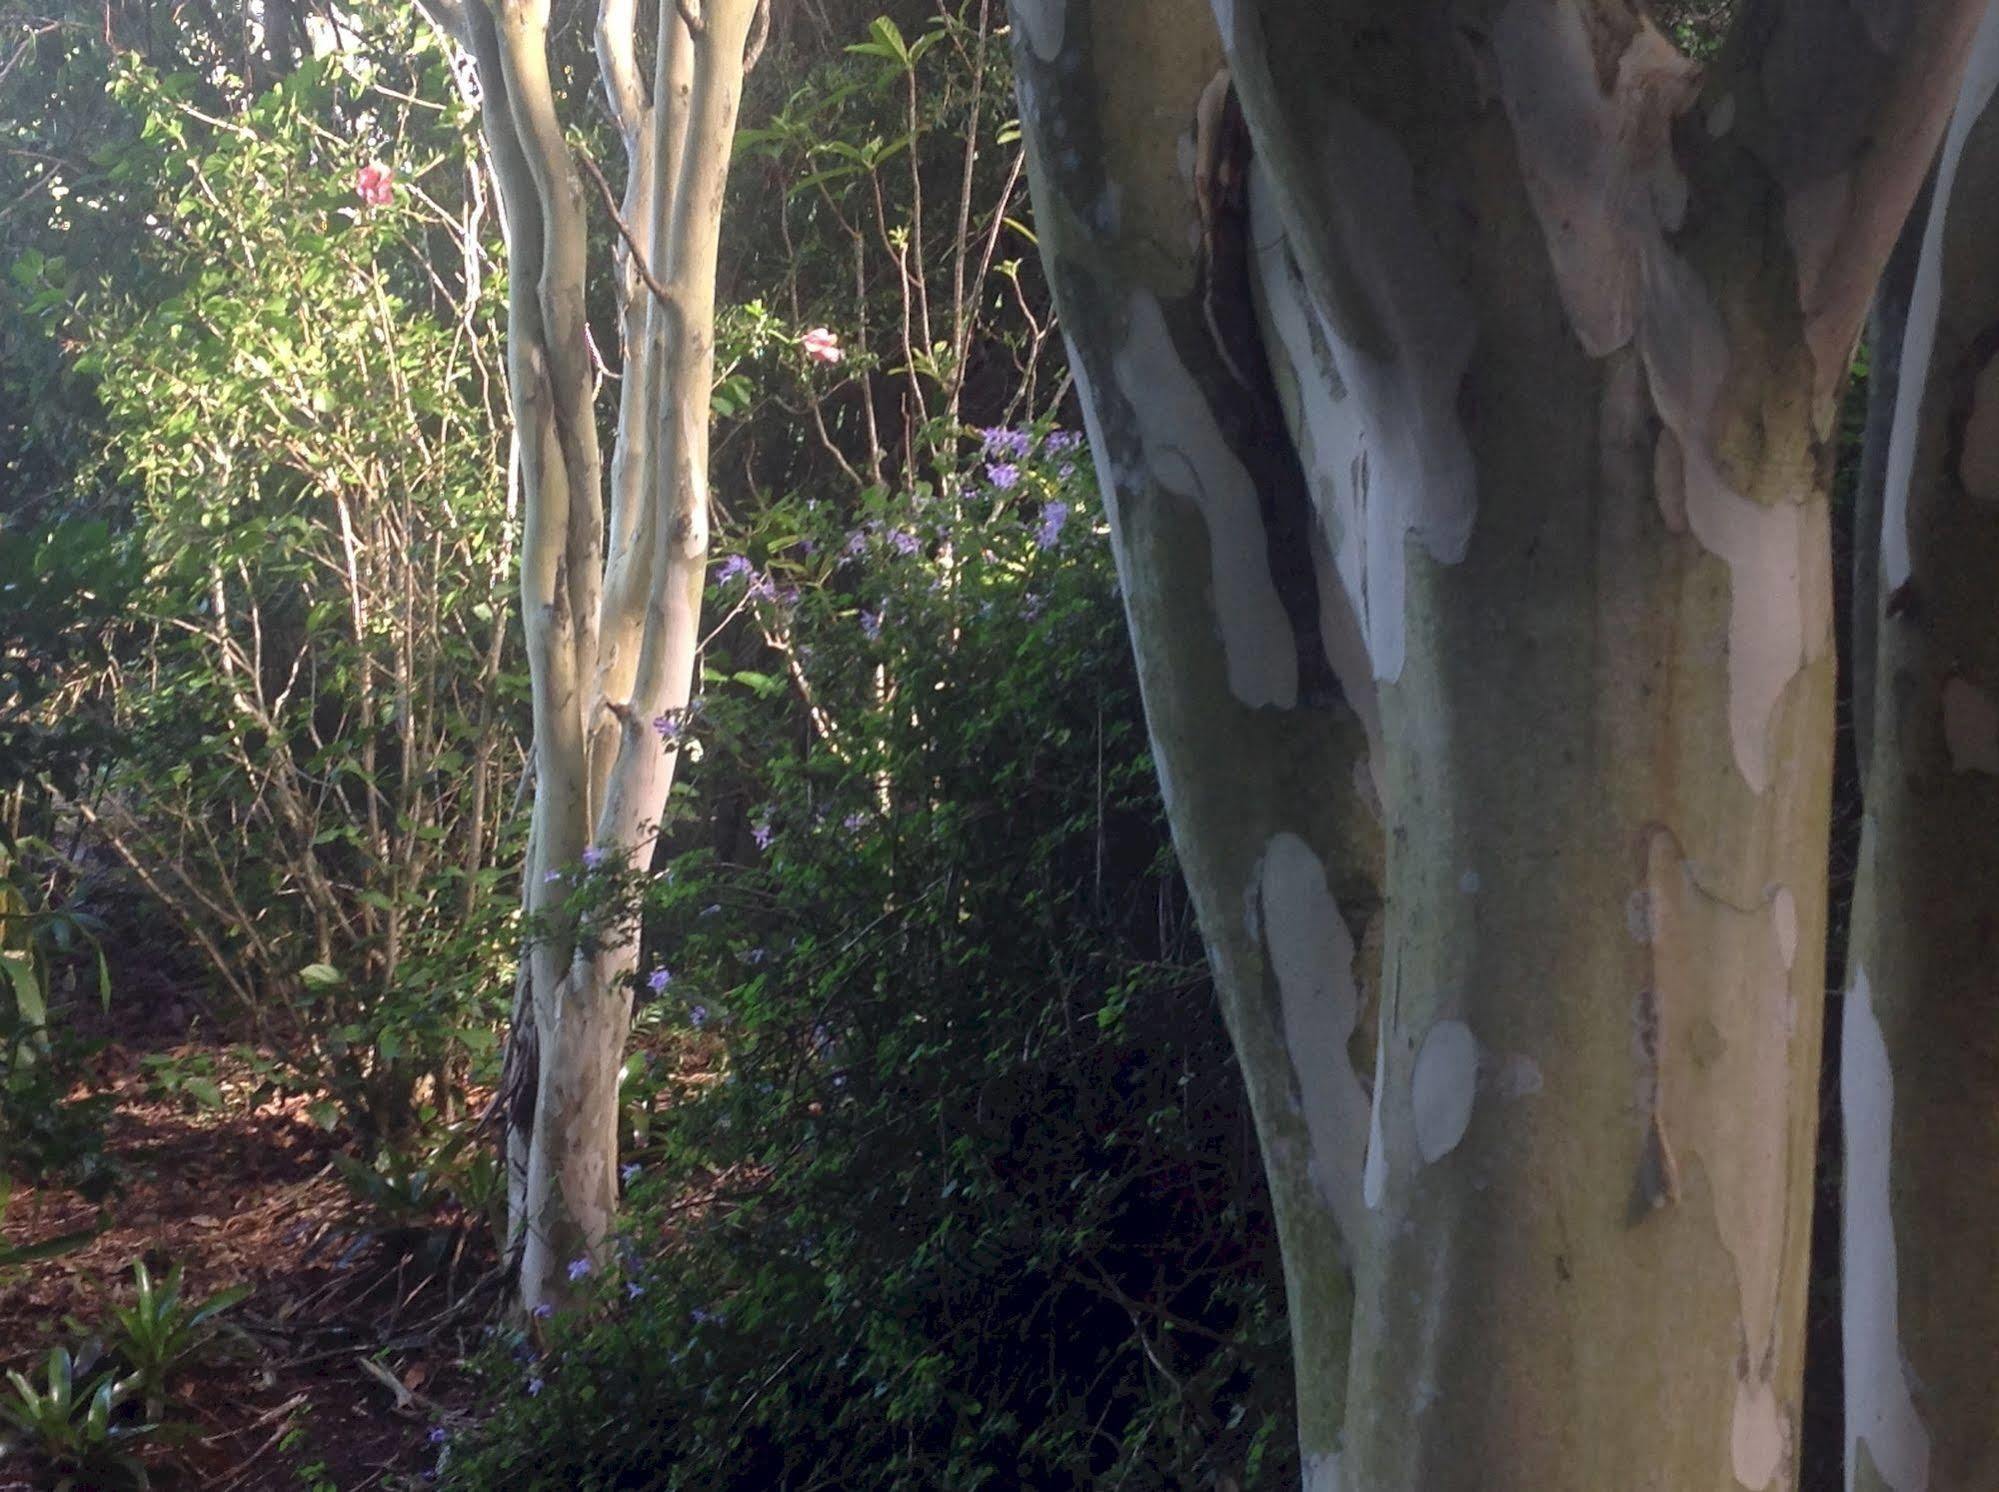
<point>1262,758</point>
<point>1920,1039</point>
<point>611,603</point>
<point>1557,328</point>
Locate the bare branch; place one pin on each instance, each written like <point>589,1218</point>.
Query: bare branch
<point>644,271</point>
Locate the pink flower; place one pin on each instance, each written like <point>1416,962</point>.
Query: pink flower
<point>374,185</point>
<point>822,346</point>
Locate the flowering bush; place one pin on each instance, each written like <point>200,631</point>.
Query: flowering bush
<point>986,1208</point>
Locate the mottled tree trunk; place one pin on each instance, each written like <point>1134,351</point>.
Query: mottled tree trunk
<point>1556,328</point>
<point>1920,1044</point>
<point>612,608</point>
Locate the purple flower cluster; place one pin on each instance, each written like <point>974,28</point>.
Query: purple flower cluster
<point>1004,475</point>
<point>1053,516</point>
<point>996,440</point>
<point>658,980</point>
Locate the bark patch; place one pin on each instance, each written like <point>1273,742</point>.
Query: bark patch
<point>1443,1087</point>
<point>1881,1417</point>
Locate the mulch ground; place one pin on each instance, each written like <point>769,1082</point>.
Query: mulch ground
<point>344,1362</point>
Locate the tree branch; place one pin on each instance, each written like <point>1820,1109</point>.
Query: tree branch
<point>644,271</point>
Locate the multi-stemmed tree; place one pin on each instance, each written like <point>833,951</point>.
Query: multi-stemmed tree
<point>611,572</point>
<point>1464,379</point>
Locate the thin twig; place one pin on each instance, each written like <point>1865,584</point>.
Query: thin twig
<point>659,292</point>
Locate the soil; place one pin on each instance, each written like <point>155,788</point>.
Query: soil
<point>245,1195</point>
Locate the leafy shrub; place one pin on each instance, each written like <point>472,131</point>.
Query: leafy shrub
<point>48,1131</point>
<point>73,1428</point>
<point>161,1334</point>
<point>317,722</point>
<point>957,1188</point>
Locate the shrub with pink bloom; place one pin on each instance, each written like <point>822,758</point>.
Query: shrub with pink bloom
<point>822,346</point>
<point>374,185</point>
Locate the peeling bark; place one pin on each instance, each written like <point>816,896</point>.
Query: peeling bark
<point>1555,324</point>
<point>1920,1047</point>
<point>1260,747</point>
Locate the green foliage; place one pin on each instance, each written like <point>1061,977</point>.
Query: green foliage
<point>47,1130</point>
<point>73,1427</point>
<point>60,589</point>
<point>960,1189</point>
<point>422,1209</point>
<point>161,1334</point>
<point>318,703</point>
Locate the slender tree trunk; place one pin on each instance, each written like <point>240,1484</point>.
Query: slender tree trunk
<point>1920,1076</point>
<point>1557,327</point>
<point>611,601</point>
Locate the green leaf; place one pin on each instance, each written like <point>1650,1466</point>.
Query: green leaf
<point>321,976</point>
<point>205,1092</point>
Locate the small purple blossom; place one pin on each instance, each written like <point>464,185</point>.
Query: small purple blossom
<point>534,1387</point>
<point>669,726</point>
<point>1003,475</point>
<point>578,1267</point>
<point>629,1170</point>
<point>1060,441</point>
<point>698,1017</point>
<point>437,1435</point>
<point>762,833</point>
<point>1053,516</point>
<point>633,1289</point>
<point>1066,471</point>
<point>592,857</point>
<point>658,980</point>
<point>871,624</point>
<point>732,568</point>
<point>551,878</point>
<point>857,542</point>
<point>998,441</point>
<point>854,822</point>
<point>543,1311</point>
<point>903,541</point>
<point>761,588</point>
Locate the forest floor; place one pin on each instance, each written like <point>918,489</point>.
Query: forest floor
<point>340,1366</point>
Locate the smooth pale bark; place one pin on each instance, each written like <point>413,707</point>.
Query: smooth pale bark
<point>1559,326</point>
<point>1263,761</point>
<point>611,606</point>
<point>1920,1038</point>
